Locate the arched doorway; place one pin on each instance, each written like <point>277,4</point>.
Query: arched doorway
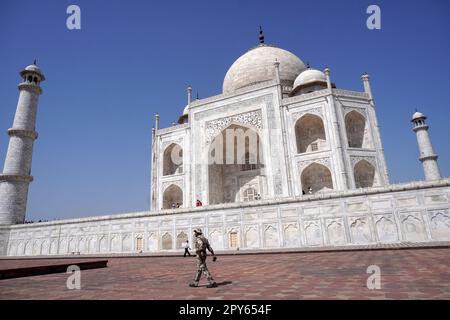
<point>173,160</point>
<point>235,164</point>
<point>139,244</point>
<point>355,125</point>
<point>172,197</point>
<point>364,173</point>
<point>310,134</point>
<point>317,177</point>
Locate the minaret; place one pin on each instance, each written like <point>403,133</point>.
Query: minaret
<point>16,175</point>
<point>427,155</point>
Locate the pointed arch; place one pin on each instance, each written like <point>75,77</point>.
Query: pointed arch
<point>92,244</point>
<point>36,248</point>
<point>181,238</point>
<point>172,197</point>
<point>356,128</point>
<point>45,248</point>
<point>233,238</point>
<point>251,237</point>
<point>310,133</point>
<point>271,237</point>
<point>173,160</point>
<point>235,163</point>
<point>54,247</point>
<point>166,241</point>
<point>82,246</point>
<point>126,243</point>
<point>364,173</point>
<point>291,235</point>
<point>139,243</point>
<point>21,248</point>
<point>28,248</point>
<point>152,243</point>
<point>317,177</point>
<point>115,243</point>
<point>12,249</point>
<point>103,244</point>
<point>216,239</point>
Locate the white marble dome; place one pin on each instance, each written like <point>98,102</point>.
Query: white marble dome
<point>418,115</point>
<point>257,65</point>
<point>309,76</point>
<point>33,67</point>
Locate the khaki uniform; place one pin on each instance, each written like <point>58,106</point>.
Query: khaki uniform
<point>201,245</point>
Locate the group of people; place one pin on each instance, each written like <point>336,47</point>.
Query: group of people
<point>310,191</point>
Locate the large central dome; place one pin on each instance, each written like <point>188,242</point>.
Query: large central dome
<point>257,65</point>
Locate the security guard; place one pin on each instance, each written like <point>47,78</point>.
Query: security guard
<point>201,245</point>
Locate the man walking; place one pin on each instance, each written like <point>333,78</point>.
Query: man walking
<point>201,245</point>
<point>186,248</point>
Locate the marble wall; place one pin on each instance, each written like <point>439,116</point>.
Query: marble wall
<point>415,212</point>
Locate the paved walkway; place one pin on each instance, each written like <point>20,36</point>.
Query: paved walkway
<point>405,274</point>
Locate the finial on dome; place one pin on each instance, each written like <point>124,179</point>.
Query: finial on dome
<point>276,62</point>
<point>35,60</point>
<point>307,65</point>
<point>261,35</point>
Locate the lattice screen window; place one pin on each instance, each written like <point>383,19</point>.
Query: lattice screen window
<point>249,194</point>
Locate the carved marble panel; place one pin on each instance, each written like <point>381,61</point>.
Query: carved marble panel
<point>335,231</point>
<point>323,161</point>
<point>292,235</point>
<point>386,228</point>
<point>317,111</point>
<point>152,243</point>
<point>271,238</point>
<point>216,238</point>
<point>313,233</point>
<point>251,237</point>
<point>413,227</point>
<point>252,119</point>
<point>440,224</point>
<point>360,230</point>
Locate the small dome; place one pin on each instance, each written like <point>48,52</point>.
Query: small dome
<point>418,115</point>
<point>309,76</point>
<point>257,65</point>
<point>33,67</point>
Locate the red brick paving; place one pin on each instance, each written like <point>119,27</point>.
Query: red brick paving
<point>405,274</point>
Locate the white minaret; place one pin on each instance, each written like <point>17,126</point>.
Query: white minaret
<point>427,155</point>
<point>17,169</point>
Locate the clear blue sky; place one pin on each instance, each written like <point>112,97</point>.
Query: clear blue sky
<point>134,58</point>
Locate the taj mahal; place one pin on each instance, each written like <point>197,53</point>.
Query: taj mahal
<point>282,158</point>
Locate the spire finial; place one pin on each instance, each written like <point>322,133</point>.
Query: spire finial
<point>307,65</point>
<point>197,95</point>
<point>35,60</point>
<point>261,35</point>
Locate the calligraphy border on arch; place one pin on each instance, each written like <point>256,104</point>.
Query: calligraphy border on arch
<point>355,159</point>
<point>323,161</point>
<point>314,111</point>
<point>179,183</point>
<point>166,143</point>
<point>252,119</point>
